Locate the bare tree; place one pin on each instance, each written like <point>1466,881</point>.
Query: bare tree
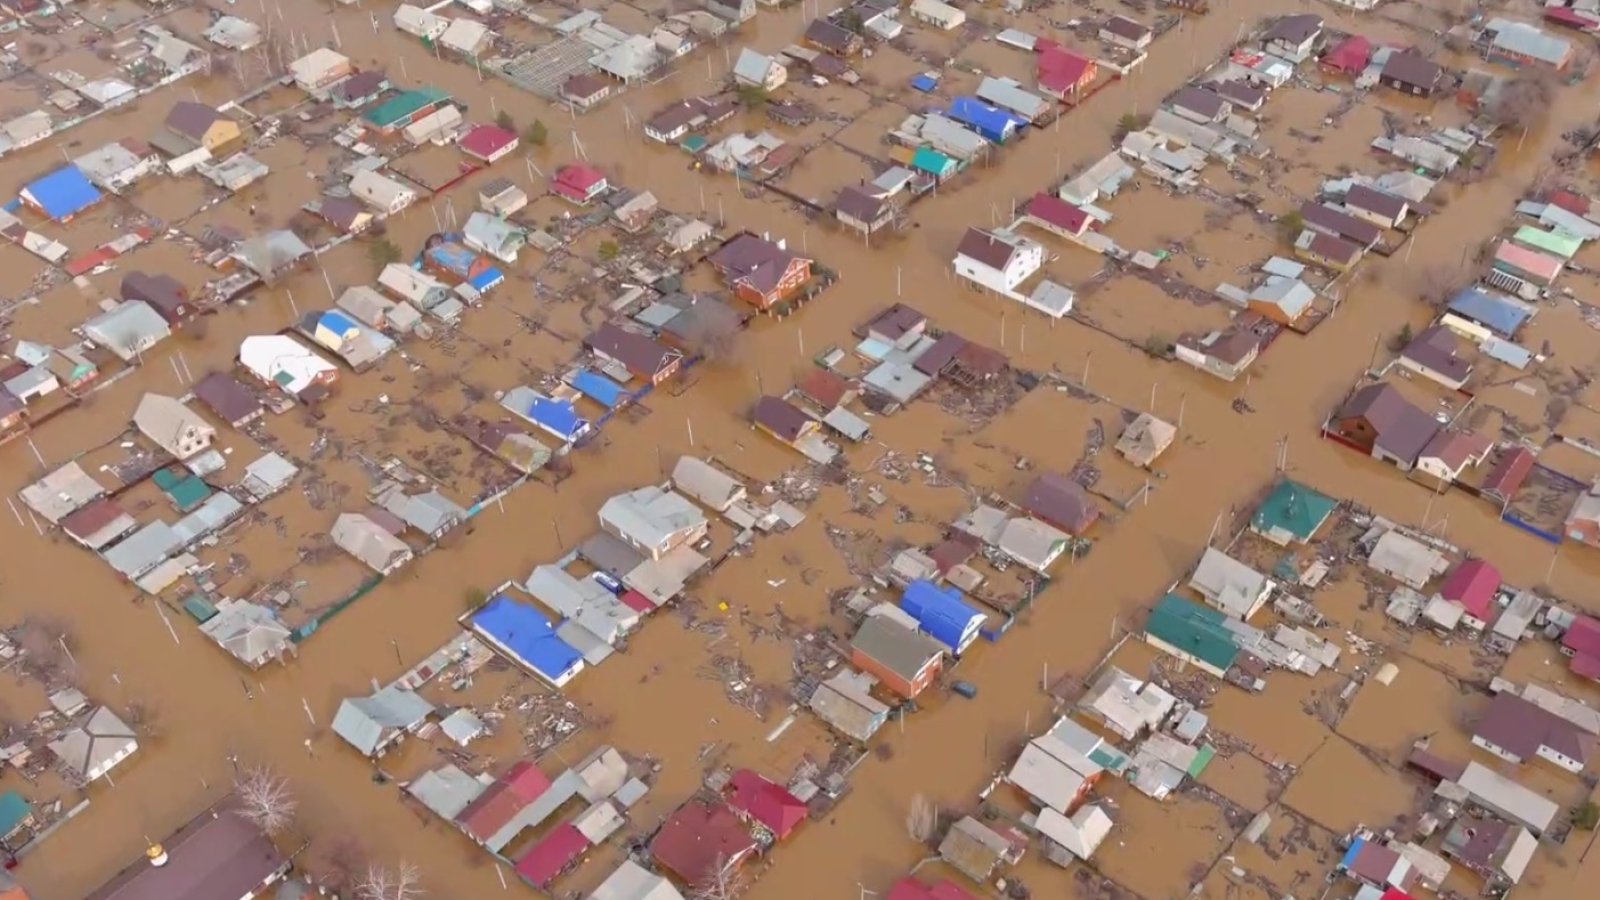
<point>403,882</point>
<point>923,819</point>
<point>1437,284</point>
<point>339,864</point>
<point>1525,100</point>
<point>47,644</point>
<point>723,882</point>
<point>714,332</point>
<point>265,800</point>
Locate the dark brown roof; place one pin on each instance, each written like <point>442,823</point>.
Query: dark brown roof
<point>226,397</point>
<point>1232,346</point>
<point>1294,29</point>
<point>360,86</point>
<point>583,86</point>
<point>192,119</point>
<point>1403,430</point>
<point>1438,767</point>
<point>1411,69</point>
<point>1061,501</point>
<point>1200,101</point>
<point>1375,201</point>
<point>833,37</point>
<point>489,435</point>
<point>781,417</point>
<point>1333,249</point>
<point>760,261</point>
<point>1124,27</point>
<point>985,248</point>
<point>218,854</point>
<point>1240,93</point>
<point>1326,218</point>
<point>1373,862</point>
<point>859,205</point>
<point>897,321</point>
<point>979,362</point>
<point>641,354</point>
<point>163,292</point>
<point>1477,840</point>
<point>342,212</point>
<point>1435,348</point>
<point>1521,728</point>
<point>934,359</point>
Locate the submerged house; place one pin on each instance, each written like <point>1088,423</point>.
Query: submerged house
<point>1380,421</point>
<point>942,614</point>
<point>761,272</point>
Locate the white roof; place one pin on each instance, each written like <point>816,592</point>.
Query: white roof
<point>650,516</point>
<point>1494,791</point>
<point>94,748</point>
<point>1406,559</point>
<point>379,190</point>
<point>282,360</point>
<point>314,65</point>
<point>706,483</point>
<point>1229,584</point>
<point>368,542</point>
<point>632,881</point>
<point>1044,777</point>
<point>61,492</point>
<point>464,35</point>
<point>249,631</point>
<point>170,424</point>
<point>1081,834</point>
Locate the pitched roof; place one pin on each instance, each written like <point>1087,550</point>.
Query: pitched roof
<point>191,119</point>
<point>1122,26</point>
<point>1047,207</point>
<point>859,205</point>
<point>899,649</point>
<point>749,258</point>
<point>1294,29</point>
<point>226,397</point>
<point>1508,473</point>
<point>699,839</point>
<point>1583,636</point>
<point>1350,55</point>
<point>360,85</point>
<point>1521,728</point>
<point>1339,222</point>
<point>1473,584</point>
<point>217,854</point>
<point>1402,429</point>
<point>1056,498</point>
<point>785,419</point>
<point>986,248</point>
<point>1435,348</point>
<point>1455,448</point>
<point>1411,68</point>
<point>582,86</point>
<point>826,387</point>
<point>1198,100</point>
<point>767,802</point>
<point>640,354</point>
<point>1373,200</point>
<point>1193,629</point>
<point>484,141</point>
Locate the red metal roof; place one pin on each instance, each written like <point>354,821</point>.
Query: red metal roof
<point>637,602</point>
<point>1473,584</point>
<point>547,859</point>
<point>1570,18</point>
<point>1586,665</point>
<point>1351,56</point>
<point>579,178</point>
<point>767,802</point>
<point>698,838</point>
<point>1062,70</point>
<point>484,141</point>
<point>1506,478</point>
<point>521,784</point>
<point>1583,638</point>
<point>1053,210</point>
<point>1574,203</point>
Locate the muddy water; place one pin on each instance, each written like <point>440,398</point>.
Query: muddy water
<point>948,753</point>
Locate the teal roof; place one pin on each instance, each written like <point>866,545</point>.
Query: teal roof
<point>14,810</point>
<point>931,161</point>
<point>1294,508</point>
<point>1194,629</point>
<point>406,104</point>
<point>187,493</point>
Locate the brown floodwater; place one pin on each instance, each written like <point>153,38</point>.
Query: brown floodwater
<point>653,700</point>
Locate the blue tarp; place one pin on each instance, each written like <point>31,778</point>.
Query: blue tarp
<point>337,322</point>
<point>558,417</point>
<point>942,614</point>
<point>924,83</point>
<point>453,257</point>
<point>1502,315</point>
<point>487,279</point>
<point>63,193</point>
<point>990,122</point>
<point>525,633</point>
<point>599,388</point>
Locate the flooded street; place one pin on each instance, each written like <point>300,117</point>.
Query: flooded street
<point>211,715</point>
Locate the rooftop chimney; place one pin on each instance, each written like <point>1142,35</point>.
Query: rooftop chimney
<point>157,855</point>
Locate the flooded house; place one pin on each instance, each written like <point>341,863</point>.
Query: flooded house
<point>374,724</point>
<point>281,361</point>
<point>642,356</point>
<point>977,851</point>
<point>1435,354</point>
<point>1327,251</point>
<point>765,803</point>
<point>172,426</point>
<point>794,427</point>
<point>579,184</point>
<point>681,117</point>
<point>1192,633</point>
<point>861,211</point>
<point>233,33</point>
<point>345,214</point>
<point>95,746</point>
<point>909,888</point>
<point>1058,217</point>
<point>360,89</point>
<point>634,214</point>
<point>943,614</point>
<point>1519,44</point>
<point>1370,863</point>
<point>1519,731</point>
<point>1229,585</point>
<point>197,125</point>
<point>371,544</point>
<point>631,881</point>
<point>836,39</point>
<point>1121,31</point>
<point>1406,559</point>
<point>501,197</point>
<point>1502,796</point>
<point>762,273</point>
<point>527,637</point>
<point>1007,94</point>
<point>758,70</point>
<point>218,853</point>
<point>1033,543</point>
<point>937,13</point>
<point>1380,421</point>
<point>1498,851</point>
<point>494,236</point>
<point>904,660</point>
<point>584,91</point>
<point>1411,73</point>
<point>1447,457</point>
<point>1381,208</point>
<point>653,521</point>
<point>487,143</point>
<point>320,70</point>
<point>1124,704</point>
<point>272,254</point>
<point>1062,502</point>
<point>1144,440</point>
<point>431,513</point>
<point>384,194</point>
<point>399,112</point>
<point>116,166</point>
<point>702,842</point>
<point>249,632</point>
<point>845,702</point>
<point>1294,37</point>
<point>1064,75</point>
<point>1053,775</point>
<point>997,260</point>
<point>1225,354</point>
<point>374,310</point>
<point>1474,587</point>
<point>61,195</point>
<point>1326,220</point>
<point>705,483</point>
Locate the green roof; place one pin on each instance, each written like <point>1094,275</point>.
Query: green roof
<point>1554,242</point>
<point>14,810</point>
<point>188,493</point>
<point>406,104</point>
<point>931,161</point>
<point>1294,508</point>
<point>1196,630</point>
<point>1201,760</point>
<point>199,607</point>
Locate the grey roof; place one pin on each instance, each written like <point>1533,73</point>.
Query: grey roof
<point>128,329</point>
<point>143,550</point>
<point>367,541</point>
<point>632,881</point>
<point>170,424</point>
<point>268,475</point>
<point>249,631</point>
<point>59,493</point>
<point>607,552</point>
<point>91,749</point>
<point>843,701</point>
<point>445,791</point>
<point>431,512</point>
<point>1500,794</point>
<point>902,650</point>
<point>752,66</point>
<point>1228,584</point>
<point>216,511</point>
<point>1032,542</point>
<point>1523,39</point>
<point>706,483</point>
<point>368,723</point>
<point>650,516</point>
<point>462,726</point>
<point>583,600</point>
<point>269,254</point>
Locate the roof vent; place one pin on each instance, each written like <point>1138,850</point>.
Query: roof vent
<point>157,855</point>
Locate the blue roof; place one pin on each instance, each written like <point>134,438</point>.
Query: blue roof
<point>942,614</point>
<point>454,257</point>
<point>527,635</point>
<point>1498,313</point>
<point>988,120</point>
<point>14,809</point>
<point>559,417</point>
<point>925,83</point>
<point>63,193</point>
<point>599,388</point>
<point>487,279</point>
<point>1351,854</point>
<point>337,322</point>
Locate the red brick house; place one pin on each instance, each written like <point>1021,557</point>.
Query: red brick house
<point>905,660</point>
<point>644,357</point>
<point>760,272</point>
